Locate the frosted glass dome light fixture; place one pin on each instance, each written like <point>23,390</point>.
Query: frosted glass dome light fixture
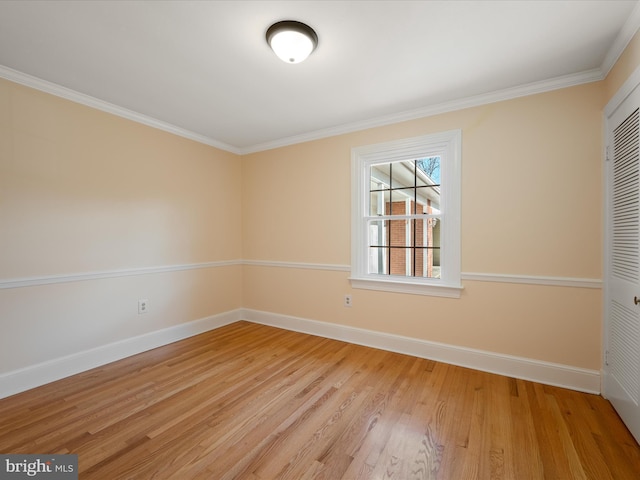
<point>292,41</point>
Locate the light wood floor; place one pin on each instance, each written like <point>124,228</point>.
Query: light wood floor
<point>253,402</point>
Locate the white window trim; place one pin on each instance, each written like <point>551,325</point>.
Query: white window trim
<point>449,145</point>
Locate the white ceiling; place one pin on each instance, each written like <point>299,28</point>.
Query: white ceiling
<point>203,69</point>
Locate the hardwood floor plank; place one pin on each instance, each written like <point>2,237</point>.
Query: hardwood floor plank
<point>252,402</point>
<point>387,410</point>
<point>582,429</point>
<point>318,424</point>
<point>526,454</point>
<point>294,413</point>
<point>501,428</point>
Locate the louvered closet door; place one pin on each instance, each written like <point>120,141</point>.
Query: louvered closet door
<point>622,312</point>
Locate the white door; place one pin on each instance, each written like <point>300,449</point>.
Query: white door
<point>622,260</point>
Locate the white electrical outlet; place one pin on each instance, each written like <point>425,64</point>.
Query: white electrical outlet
<point>348,301</point>
<point>143,306</point>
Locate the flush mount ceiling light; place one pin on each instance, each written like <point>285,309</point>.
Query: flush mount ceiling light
<point>292,41</point>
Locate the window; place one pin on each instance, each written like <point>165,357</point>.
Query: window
<point>406,215</point>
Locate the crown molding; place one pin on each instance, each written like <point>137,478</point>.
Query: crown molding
<point>428,111</point>
<point>556,83</point>
<point>89,101</point>
<point>625,35</point>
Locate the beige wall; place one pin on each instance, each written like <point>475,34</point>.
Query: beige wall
<point>531,206</point>
<point>623,68</point>
<point>82,191</point>
<point>530,188</point>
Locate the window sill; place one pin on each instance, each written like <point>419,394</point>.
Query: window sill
<point>406,286</point>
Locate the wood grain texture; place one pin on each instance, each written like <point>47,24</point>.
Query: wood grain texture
<point>253,402</point>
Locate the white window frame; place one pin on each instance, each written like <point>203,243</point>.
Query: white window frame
<point>447,145</point>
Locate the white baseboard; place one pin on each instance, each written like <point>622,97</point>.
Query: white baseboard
<point>559,375</point>
<point>34,376</point>
<point>583,380</point>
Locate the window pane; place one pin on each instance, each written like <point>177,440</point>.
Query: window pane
<point>403,174</point>
<point>377,246</point>
<point>378,233</point>
<point>401,205</point>
<point>428,200</point>
<point>427,243</point>
<point>378,203</point>
<point>400,261</point>
<point>399,232</point>
<point>428,172</point>
<point>427,263</point>
<point>378,260</point>
<point>380,175</point>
